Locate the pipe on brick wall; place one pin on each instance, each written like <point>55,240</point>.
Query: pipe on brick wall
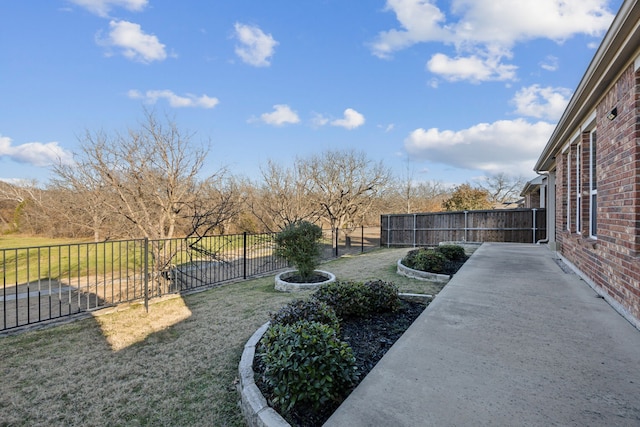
<point>546,239</point>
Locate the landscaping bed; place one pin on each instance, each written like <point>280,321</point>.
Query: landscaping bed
<point>370,336</point>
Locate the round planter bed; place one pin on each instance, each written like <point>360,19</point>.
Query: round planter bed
<point>403,270</point>
<point>285,286</point>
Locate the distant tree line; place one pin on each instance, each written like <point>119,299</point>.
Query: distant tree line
<point>151,182</point>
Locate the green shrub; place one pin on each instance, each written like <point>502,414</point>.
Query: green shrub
<point>305,363</point>
<point>311,310</point>
<point>299,243</point>
<point>425,260</point>
<point>452,252</point>
<point>348,299</point>
<point>383,296</point>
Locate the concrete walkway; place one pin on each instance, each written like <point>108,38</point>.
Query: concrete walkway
<point>512,340</point>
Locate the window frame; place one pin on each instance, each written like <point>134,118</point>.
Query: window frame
<point>593,185</point>
<point>579,187</point>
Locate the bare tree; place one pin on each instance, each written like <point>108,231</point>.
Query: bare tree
<point>82,197</point>
<point>502,188</point>
<point>282,198</point>
<point>149,174</point>
<point>344,184</point>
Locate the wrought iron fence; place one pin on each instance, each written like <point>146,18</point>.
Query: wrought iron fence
<point>51,282</point>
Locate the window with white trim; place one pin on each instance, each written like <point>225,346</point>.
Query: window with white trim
<point>568,192</point>
<point>578,188</point>
<point>593,187</point>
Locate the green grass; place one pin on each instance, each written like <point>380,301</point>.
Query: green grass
<point>176,365</point>
<point>42,258</point>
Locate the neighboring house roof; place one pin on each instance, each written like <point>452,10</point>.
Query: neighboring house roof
<point>617,49</point>
<point>532,185</point>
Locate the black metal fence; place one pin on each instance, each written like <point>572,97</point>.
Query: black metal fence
<point>50,282</point>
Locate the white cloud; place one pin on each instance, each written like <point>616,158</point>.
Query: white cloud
<point>483,32</point>
<point>421,21</point>
<point>34,153</point>
<point>472,68</point>
<point>134,43</point>
<point>352,119</point>
<point>318,120</point>
<point>510,146</point>
<point>176,101</point>
<point>102,7</point>
<point>542,102</point>
<point>281,115</point>
<point>550,63</point>
<point>256,48</point>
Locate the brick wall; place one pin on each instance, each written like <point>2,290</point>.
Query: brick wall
<point>612,259</point>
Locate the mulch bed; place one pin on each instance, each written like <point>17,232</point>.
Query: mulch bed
<point>370,338</point>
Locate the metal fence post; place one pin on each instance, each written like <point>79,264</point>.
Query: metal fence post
<point>534,224</point>
<point>244,255</point>
<point>362,239</point>
<point>146,274</point>
<point>465,225</point>
<point>414,230</point>
<point>337,237</point>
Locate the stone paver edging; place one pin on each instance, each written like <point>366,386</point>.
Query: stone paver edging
<point>284,286</point>
<point>403,270</point>
<point>256,410</point>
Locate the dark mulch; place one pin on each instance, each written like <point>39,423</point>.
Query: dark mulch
<point>452,267</point>
<point>314,278</point>
<point>370,338</point>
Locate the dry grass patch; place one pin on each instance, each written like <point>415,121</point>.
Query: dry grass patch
<point>174,366</point>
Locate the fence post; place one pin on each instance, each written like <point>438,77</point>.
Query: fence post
<point>414,230</point>
<point>337,237</point>
<point>146,274</point>
<point>388,231</point>
<point>244,255</point>
<point>465,225</point>
<point>362,239</point>
<point>534,224</point>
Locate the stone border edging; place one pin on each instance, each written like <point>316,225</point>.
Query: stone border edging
<point>284,286</point>
<point>255,409</point>
<point>403,270</point>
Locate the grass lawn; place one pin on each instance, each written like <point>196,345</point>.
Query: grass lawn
<point>175,365</point>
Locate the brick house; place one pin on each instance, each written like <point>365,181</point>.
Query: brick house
<point>592,169</point>
<point>533,193</point>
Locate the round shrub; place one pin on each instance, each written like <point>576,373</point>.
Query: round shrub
<point>348,299</point>
<point>425,260</point>
<point>306,364</point>
<point>311,310</point>
<point>452,252</point>
<point>383,296</point>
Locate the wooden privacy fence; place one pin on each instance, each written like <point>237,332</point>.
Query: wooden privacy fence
<point>427,229</point>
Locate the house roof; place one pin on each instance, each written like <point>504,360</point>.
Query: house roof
<point>532,185</point>
<point>618,49</point>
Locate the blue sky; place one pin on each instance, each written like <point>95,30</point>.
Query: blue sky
<point>450,91</point>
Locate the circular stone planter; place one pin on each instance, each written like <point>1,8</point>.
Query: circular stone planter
<point>403,270</point>
<point>284,286</point>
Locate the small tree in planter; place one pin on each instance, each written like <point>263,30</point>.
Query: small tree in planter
<point>299,244</point>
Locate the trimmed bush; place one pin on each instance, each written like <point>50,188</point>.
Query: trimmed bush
<point>348,299</point>
<point>383,296</point>
<point>452,252</point>
<point>311,310</point>
<point>428,260</point>
<point>299,244</point>
<point>306,364</point>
